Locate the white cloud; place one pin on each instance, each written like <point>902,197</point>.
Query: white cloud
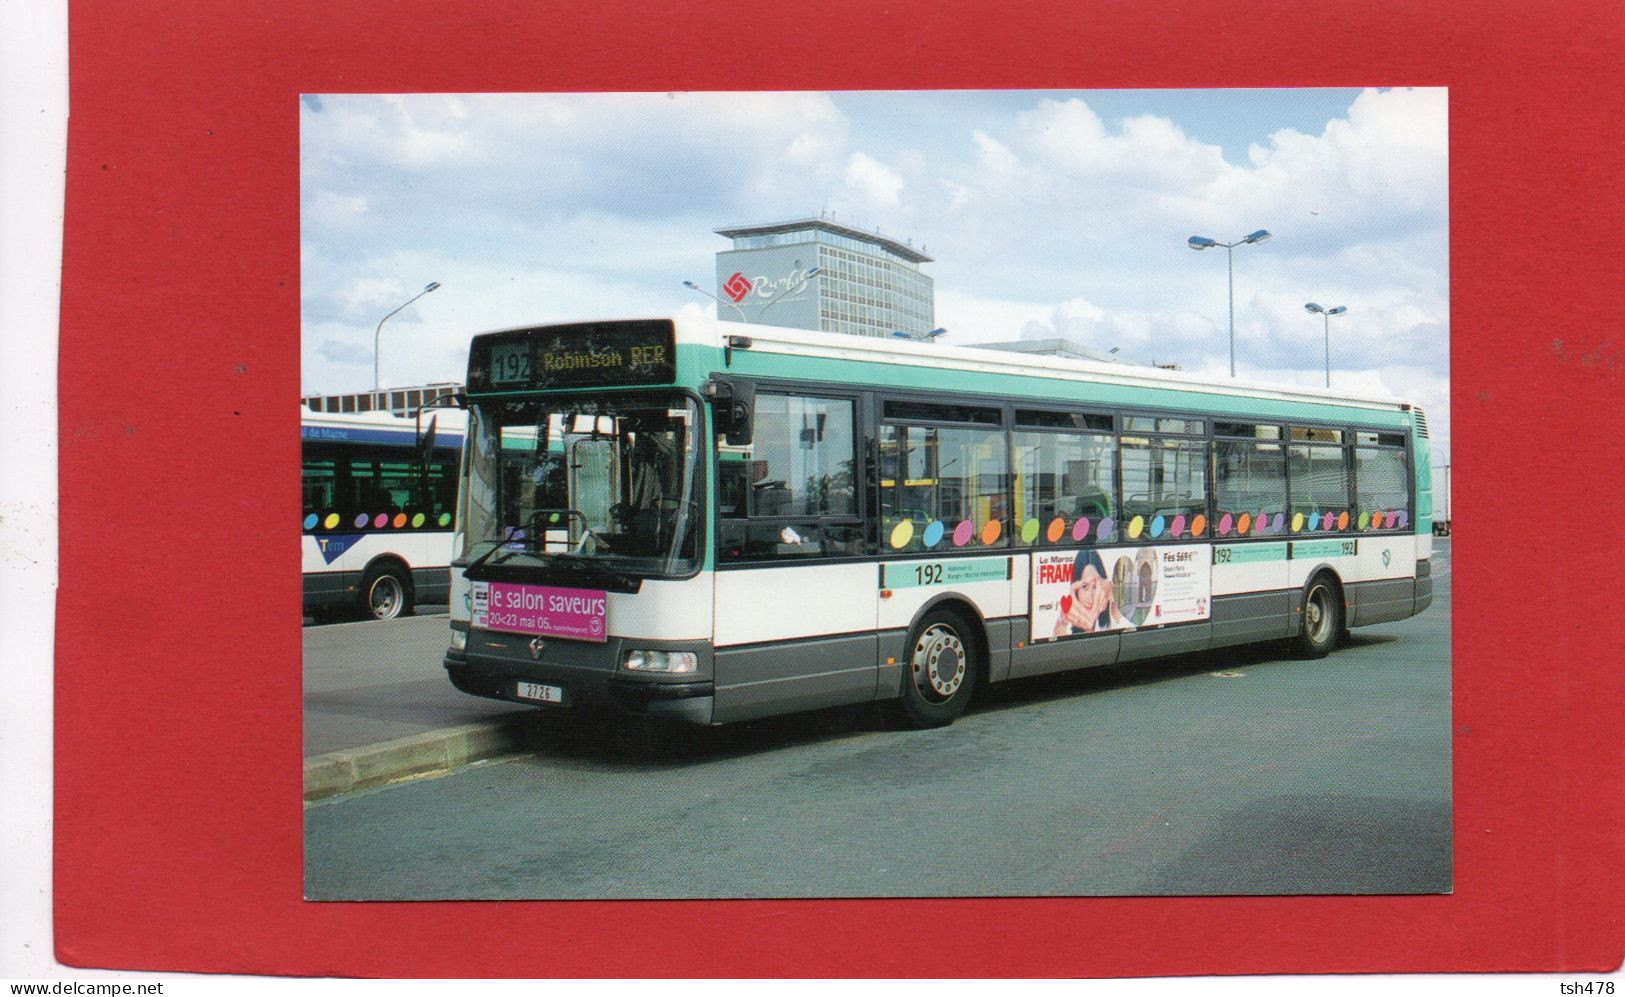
<point>871,183</point>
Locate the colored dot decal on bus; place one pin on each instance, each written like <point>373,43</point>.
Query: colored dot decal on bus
<point>933,533</point>
<point>1342,520</point>
<point>1225,522</point>
<point>1157,526</point>
<point>1404,517</point>
<point>1326,521</point>
<point>1261,523</point>
<point>361,521</point>
<point>1057,529</point>
<point>331,521</point>
<point>962,533</point>
<point>1243,523</point>
<point>1198,525</point>
<point>1104,530</point>
<point>399,520</point>
<point>445,519</point>
<point>1363,521</point>
<point>902,533</point>
<point>417,521</point>
<point>1135,527</point>
<point>1280,521</point>
<point>1080,529</point>
<point>1177,527</point>
<point>991,530</point>
<point>380,521</point>
<point>1297,522</point>
<point>1029,531</point>
<point>310,521</point>
<point>1378,520</point>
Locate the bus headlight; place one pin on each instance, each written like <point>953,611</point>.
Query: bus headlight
<point>459,640</point>
<point>668,662</point>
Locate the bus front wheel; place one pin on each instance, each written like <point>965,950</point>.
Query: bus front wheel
<point>939,672</point>
<point>1322,617</point>
<point>385,593</point>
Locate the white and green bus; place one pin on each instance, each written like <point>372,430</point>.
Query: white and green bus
<point>715,522</point>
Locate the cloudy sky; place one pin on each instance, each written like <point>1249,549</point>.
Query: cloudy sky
<point>1048,213</point>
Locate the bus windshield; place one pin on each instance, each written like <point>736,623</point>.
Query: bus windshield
<point>572,482</point>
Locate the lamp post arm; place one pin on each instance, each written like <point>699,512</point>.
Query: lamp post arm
<point>380,331</point>
<point>809,275</point>
<point>731,304</point>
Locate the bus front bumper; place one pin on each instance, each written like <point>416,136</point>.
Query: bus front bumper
<point>584,675</point>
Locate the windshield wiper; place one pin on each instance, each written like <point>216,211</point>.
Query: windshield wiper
<point>500,546</point>
<point>553,564</point>
<point>590,571</point>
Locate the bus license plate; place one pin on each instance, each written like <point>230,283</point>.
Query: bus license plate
<point>541,693</point>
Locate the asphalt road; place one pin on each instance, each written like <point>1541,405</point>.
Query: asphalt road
<point>1243,772</point>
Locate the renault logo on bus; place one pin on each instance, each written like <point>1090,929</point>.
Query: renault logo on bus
<point>536,647</point>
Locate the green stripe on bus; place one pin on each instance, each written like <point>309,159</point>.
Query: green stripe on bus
<point>913,574</point>
<point>863,373</point>
<point>1324,548</point>
<point>1249,553</point>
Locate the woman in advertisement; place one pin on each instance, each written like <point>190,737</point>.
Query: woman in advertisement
<point>1090,606</point>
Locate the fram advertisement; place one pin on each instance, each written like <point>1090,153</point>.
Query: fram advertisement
<point>577,614</point>
<point>1097,591</point>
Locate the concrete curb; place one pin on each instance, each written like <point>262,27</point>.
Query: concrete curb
<point>371,765</point>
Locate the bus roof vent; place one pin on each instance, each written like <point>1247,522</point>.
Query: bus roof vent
<point>1421,422</point>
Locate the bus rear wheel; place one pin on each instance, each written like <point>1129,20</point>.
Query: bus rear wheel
<point>385,593</point>
<point>1322,617</point>
<point>939,672</point>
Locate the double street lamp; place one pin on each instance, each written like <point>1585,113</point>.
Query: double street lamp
<point>815,271</point>
<point>379,331</point>
<point>1326,320</point>
<point>731,304</point>
<point>1200,242</point>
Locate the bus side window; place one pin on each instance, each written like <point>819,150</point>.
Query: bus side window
<point>790,493</point>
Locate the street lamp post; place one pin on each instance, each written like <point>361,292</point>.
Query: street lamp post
<point>379,331</point>
<point>810,274</point>
<point>1199,242</point>
<point>1326,320</point>
<point>735,305</point>
<point>731,304</point>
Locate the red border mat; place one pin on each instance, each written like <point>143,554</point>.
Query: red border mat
<point>178,692</point>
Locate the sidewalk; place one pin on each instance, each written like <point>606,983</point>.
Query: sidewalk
<point>378,706</point>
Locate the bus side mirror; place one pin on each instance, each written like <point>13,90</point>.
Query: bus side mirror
<point>426,446</point>
<point>733,402</point>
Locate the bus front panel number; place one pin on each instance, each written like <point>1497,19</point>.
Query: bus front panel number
<point>510,363</point>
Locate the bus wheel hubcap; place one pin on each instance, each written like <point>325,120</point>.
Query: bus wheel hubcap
<point>939,661</point>
<point>385,596</point>
<point>1316,613</point>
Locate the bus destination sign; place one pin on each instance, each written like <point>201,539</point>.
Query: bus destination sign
<point>588,355</point>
